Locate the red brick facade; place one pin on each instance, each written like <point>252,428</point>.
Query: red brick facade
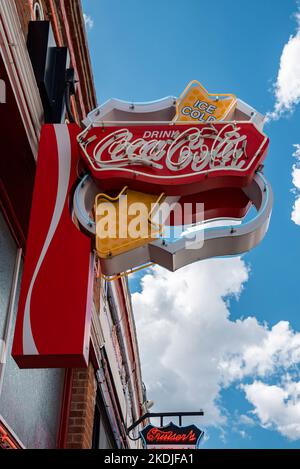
<point>82,410</point>
<point>79,418</point>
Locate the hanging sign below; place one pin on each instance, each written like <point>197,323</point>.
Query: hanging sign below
<point>171,437</point>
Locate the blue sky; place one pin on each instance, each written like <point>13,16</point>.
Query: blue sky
<point>145,50</point>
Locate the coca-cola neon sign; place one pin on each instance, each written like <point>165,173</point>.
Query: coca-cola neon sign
<point>217,164</point>
<point>172,436</point>
<point>175,159</point>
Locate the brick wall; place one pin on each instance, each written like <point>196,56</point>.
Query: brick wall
<point>24,13</point>
<point>82,410</point>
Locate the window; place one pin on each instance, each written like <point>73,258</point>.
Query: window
<point>102,434</point>
<point>30,400</point>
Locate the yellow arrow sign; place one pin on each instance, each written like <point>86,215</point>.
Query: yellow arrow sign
<point>125,222</point>
<point>196,104</point>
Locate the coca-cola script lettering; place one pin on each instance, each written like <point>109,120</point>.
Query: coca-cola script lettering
<point>177,159</point>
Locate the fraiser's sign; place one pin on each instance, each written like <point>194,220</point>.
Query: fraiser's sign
<point>171,437</point>
<point>148,164</point>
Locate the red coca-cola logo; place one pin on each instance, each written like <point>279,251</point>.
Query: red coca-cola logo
<point>177,159</point>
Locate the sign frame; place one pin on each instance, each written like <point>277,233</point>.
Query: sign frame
<point>171,427</point>
<point>218,241</point>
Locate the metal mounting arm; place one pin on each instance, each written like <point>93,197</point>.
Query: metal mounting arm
<point>161,415</point>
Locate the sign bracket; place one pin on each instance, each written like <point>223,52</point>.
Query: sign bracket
<point>161,415</point>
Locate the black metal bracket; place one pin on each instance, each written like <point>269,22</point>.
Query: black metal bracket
<point>161,415</point>
<point>51,65</point>
<point>71,81</point>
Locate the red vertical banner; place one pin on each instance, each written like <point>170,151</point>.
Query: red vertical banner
<point>54,316</point>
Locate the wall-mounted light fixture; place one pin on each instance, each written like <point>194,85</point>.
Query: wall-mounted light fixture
<point>37,11</point>
<point>55,78</point>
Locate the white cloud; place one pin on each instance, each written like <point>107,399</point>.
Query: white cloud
<point>287,96</point>
<point>296,212</point>
<point>182,321</point>
<point>287,86</point>
<point>89,22</point>
<point>246,420</point>
<point>280,347</point>
<point>190,347</point>
<point>296,182</point>
<point>277,407</point>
